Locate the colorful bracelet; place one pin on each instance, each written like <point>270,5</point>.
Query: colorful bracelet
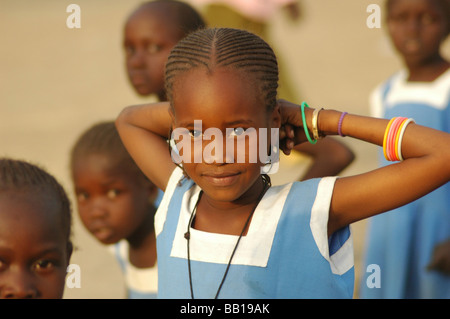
<point>341,119</point>
<point>305,126</point>
<point>393,137</point>
<point>398,141</point>
<point>315,128</point>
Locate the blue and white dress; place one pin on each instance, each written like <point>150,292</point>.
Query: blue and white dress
<point>401,241</point>
<point>141,283</point>
<point>285,254</point>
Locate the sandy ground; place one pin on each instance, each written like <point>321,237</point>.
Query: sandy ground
<point>56,81</point>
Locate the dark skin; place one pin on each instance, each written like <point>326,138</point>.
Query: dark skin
<point>116,204</point>
<point>34,250</point>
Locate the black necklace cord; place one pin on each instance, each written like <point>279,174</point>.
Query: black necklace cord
<point>187,235</point>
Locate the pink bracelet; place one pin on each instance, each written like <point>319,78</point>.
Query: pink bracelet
<point>340,124</point>
<point>392,139</point>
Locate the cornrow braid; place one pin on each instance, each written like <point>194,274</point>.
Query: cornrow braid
<point>225,47</point>
<point>18,175</point>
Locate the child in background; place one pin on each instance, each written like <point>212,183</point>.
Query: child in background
<point>115,203</point>
<point>150,33</point>
<point>402,242</point>
<point>35,229</point>
<point>223,231</point>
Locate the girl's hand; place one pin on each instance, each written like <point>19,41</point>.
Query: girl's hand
<point>441,258</point>
<point>291,131</point>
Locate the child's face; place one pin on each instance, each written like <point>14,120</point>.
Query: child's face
<point>34,252</point>
<point>111,204</point>
<point>148,40</point>
<point>224,99</point>
<point>417,29</point>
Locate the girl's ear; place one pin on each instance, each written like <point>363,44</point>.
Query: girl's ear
<point>172,114</point>
<point>276,117</point>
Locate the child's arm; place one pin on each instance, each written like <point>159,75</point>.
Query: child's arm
<point>330,157</point>
<point>440,261</point>
<point>144,130</point>
<point>426,166</point>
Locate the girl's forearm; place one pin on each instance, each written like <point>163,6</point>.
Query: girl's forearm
<point>144,130</point>
<point>417,141</point>
<point>426,166</point>
<point>154,118</point>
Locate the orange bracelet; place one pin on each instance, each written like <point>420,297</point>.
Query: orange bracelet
<point>393,137</point>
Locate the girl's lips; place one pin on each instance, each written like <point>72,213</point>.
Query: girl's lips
<point>412,45</point>
<point>222,179</point>
<point>102,233</point>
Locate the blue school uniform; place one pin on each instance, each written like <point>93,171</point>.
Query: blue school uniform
<point>401,241</point>
<point>286,252</point>
<point>141,283</point>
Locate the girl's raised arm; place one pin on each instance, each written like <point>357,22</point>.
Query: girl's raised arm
<point>426,165</point>
<point>144,130</point>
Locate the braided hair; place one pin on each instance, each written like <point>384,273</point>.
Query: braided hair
<point>229,48</point>
<point>21,176</point>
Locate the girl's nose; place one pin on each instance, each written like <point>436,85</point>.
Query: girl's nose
<point>137,60</point>
<point>218,151</point>
<point>19,285</point>
<point>413,26</point>
<point>98,209</point>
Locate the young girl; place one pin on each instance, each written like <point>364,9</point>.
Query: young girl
<point>35,228</point>
<point>402,242</point>
<point>151,32</point>
<point>115,204</point>
<point>223,231</point>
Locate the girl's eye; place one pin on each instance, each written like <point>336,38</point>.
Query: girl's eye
<point>82,196</point>
<point>195,133</point>
<point>427,19</point>
<point>43,265</point>
<point>112,193</point>
<point>153,48</point>
<point>400,18</point>
<point>238,131</point>
<point>2,265</point>
<point>129,50</point>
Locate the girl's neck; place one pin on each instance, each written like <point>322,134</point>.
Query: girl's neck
<point>228,217</point>
<point>427,71</point>
<point>142,243</point>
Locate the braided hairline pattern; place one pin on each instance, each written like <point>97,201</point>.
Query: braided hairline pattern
<point>18,175</point>
<point>226,47</point>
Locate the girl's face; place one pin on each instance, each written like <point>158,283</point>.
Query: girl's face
<point>111,204</point>
<point>148,40</point>
<point>417,29</point>
<point>224,100</point>
<point>34,252</point>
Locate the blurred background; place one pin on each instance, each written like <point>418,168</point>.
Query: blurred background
<point>55,82</point>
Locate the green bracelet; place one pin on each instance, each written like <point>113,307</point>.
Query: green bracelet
<point>305,127</point>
